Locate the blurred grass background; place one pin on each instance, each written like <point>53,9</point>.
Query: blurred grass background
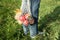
<point>49,21</point>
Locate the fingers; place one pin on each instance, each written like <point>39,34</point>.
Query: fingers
<point>31,21</point>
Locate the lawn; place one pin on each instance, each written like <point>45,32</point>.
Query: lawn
<point>49,21</point>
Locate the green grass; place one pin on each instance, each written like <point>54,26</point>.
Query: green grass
<point>49,21</point>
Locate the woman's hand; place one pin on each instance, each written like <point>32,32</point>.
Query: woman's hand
<point>31,21</point>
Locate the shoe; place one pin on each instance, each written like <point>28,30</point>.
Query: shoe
<point>33,37</point>
<point>40,33</point>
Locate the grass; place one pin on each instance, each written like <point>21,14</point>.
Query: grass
<point>49,21</point>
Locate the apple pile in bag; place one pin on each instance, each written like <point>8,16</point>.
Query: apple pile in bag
<point>25,18</point>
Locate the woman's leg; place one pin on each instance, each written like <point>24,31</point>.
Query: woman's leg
<point>24,6</point>
<point>34,11</point>
<point>25,29</point>
<point>24,10</point>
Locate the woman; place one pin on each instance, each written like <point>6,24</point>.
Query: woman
<point>32,7</point>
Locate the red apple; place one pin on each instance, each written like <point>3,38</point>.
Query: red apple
<point>22,18</point>
<point>27,16</point>
<point>26,22</point>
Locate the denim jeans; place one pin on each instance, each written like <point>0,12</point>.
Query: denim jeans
<point>34,11</point>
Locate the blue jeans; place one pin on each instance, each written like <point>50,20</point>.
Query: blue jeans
<point>34,11</point>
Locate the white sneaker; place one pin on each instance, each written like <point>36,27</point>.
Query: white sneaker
<point>40,33</point>
<point>33,37</point>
